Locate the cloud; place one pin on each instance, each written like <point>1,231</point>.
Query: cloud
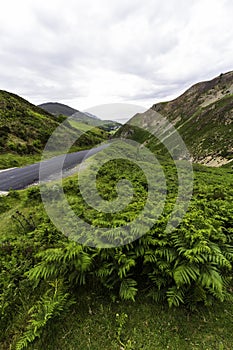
<point>88,52</point>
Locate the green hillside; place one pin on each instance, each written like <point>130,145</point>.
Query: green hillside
<point>203,116</point>
<point>25,129</point>
<point>87,118</point>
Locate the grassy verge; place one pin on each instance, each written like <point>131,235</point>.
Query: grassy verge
<point>9,160</point>
<point>94,324</point>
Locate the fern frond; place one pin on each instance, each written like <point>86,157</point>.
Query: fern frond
<point>128,289</point>
<point>175,296</point>
<point>185,273</point>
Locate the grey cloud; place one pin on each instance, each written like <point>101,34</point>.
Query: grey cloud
<point>154,49</point>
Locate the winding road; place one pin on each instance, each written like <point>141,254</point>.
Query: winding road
<point>19,178</point>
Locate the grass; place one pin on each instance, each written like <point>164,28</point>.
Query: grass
<point>82,126</point>
<point>12,160</point>
<point>93,325</point>
<point>9,160</point>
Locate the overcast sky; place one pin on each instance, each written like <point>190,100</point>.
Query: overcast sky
<point>90,52</point>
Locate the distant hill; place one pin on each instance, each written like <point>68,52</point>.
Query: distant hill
<point>86,118</point>
<point>203,116</point>
<point>25,129</point>
<point>56,108</point>
<point>91,115</point>
<point>93,120</point>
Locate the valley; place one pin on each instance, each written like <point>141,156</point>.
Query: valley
<point>160,284</point>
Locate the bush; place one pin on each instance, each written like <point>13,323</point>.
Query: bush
<point>33,193</point>
<point>13,194</point>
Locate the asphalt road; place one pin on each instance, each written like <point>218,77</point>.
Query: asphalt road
<point>20,178</point>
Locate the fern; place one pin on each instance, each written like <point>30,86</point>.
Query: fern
<point>128,289</point>
<point>59,261</point>
<point>185,274</point>
<point>52,304</point>
<point>210,278</point>
<point>157,295</point>
<point>175,296</point>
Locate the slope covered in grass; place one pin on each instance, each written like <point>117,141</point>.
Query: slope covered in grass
<point>25,129</point>
<point>203,116</point>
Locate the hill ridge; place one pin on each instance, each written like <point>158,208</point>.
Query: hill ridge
<point>203,115</point>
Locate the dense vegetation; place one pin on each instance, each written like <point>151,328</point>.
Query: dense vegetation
<point>24,128</point>
<point>44,274</point>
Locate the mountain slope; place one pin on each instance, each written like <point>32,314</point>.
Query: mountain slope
<point>86,118</point>
<point>90,119</point>
<point>25,129</point>
<point>203,116</point>
<point>56,108</point>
